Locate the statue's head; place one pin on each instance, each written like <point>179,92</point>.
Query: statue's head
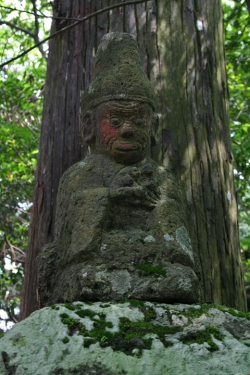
<point>118,108</point>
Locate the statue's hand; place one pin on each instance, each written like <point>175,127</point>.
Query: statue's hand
<point>135,194</point>
<point>136,185</point>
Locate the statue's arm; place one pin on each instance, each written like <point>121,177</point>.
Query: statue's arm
<point>81,199</point>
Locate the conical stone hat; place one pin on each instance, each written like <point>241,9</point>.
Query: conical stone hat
<point>118,73</point>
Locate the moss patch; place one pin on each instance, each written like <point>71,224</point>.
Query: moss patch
<point>79,305</point>
<point>98,333</point>
<point>134,332</point>
<point>86,313</point>
<point>196,313</point>
<point>148,311</point>
<point>202,336</point>
<point>136,335</point>
<point>134,303</point>
<point>234,312</point>
<point>53,307</point>
<point>193,313</point>
<point>131,335</point>
<point>147,269</point>
<point>65,340</point>
<point>21,341</point>
<point>74,325</point>
<point>70,306</point>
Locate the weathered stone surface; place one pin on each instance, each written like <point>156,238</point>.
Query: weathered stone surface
<point>134,338</point>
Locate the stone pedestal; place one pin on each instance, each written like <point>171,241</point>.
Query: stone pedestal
<point>133,338</point>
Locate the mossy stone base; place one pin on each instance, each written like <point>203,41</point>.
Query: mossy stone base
<point>132,338</point>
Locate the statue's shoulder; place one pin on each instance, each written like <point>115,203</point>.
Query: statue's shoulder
<point>82,173</point>
<point>83,166</point>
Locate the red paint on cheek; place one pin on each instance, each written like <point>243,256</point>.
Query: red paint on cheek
<point>107,132</point>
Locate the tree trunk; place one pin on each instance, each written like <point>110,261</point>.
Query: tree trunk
<point>181,44</point>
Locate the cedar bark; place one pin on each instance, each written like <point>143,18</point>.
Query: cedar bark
<point>181,45</point>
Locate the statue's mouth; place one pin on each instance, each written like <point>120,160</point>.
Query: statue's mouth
<point>127,147</point>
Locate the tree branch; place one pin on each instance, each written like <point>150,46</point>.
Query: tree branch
<point>16,10</point>
<point>18,154</point>
<point>70,27</point>
<point>41,15</point>
<point>36,35</point>
<point>32,35</point>
<point>12,251</point>
<point>13,26</point>
<point>14,208</point>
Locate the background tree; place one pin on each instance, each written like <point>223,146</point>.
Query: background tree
<point>21,100</point>
<point>182,50</point>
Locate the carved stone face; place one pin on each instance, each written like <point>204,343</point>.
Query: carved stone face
<point>124,130</point>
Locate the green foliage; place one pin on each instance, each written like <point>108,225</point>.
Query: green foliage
<point>237,29</point>
<point>21,103</point>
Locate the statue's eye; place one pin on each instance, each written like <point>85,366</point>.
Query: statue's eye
<point>115,121</point>
<point>139,121</point>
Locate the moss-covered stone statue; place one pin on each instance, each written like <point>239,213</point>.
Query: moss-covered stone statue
<point>120,227</point>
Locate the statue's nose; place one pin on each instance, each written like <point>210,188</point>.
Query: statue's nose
<point>127,129</point>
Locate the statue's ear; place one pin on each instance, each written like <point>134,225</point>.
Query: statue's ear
<point>154,130</point>
<point>88,127</point>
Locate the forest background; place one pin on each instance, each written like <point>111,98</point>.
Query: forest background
<point>25,23</point>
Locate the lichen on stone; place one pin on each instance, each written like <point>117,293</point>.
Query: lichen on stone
<point>134,337</point>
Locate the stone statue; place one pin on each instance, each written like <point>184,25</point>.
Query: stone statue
<point>120,227</point>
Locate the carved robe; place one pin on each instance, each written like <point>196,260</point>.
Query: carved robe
<point>120,233</point>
